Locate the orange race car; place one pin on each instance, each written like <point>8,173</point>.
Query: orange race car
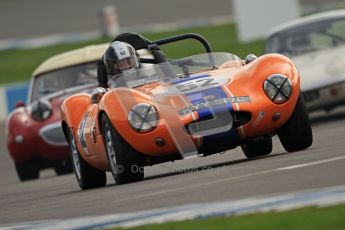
<point>176,109</point>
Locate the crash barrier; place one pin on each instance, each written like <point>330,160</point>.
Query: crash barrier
<point>10,95</point>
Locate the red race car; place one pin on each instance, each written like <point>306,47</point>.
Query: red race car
<point>34,136</point>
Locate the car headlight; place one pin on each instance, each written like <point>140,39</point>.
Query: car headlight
<point>41,110</point>
<point>143,117</point>
<point>278,88</point>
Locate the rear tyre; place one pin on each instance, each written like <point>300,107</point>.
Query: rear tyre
<point>87,176</point>
<point>27,170</point>
<point>257,148</point>
<point>63,167</point>
<point>127,164</point>
<point>296,134</point>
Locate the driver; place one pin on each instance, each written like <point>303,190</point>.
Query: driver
<point>120,58</point>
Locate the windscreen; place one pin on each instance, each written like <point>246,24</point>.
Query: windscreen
<point>168,71</point>
<point>308,38</point>
<point>64,79</point>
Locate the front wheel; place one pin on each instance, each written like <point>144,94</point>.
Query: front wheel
<point>296,134</point>
<point>27,170</point>
<point>125,162</point>
<point>87,176</point>
<point>257,148</point>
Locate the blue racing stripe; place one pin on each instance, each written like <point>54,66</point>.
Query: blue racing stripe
<point>212,93</point>
<point>205,113</point>
<point>193,77</point>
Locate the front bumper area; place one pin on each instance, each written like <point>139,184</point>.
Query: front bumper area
<point>53,135</point>
<point>325,98</point>
<point>45,143</point>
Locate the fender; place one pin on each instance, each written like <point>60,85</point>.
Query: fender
<point>270,64</point>
<point>117,103</point>
<point>253,76</point>
<point>266,65</point>
<point>16,124</point>
<point>277,63</point>
<point>16,116</point>
<point>73,109</point>
<point>20,124</point>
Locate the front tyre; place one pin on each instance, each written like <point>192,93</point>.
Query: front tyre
<point>257,148</point>
<point>87,176</point>
<point>296,134</point>
<point>27,170</point>
<point>125,162</point>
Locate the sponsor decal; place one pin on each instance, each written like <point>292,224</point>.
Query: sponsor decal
<point>81,131</point>
<point>93,132</point>
<point>213,103</point>
<point>259,118</point>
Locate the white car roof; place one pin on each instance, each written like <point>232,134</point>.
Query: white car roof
<point>70,58</point>
<point>308,19</point>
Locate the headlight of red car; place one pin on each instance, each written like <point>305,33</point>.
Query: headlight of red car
<point>278,88</point>
<point>143,117</point>
<point>41,110</point>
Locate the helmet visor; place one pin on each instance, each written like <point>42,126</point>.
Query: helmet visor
<point>126,64</point>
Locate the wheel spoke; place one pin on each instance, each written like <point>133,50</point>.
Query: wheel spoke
<point>75,157</point>
<point>110,150</point>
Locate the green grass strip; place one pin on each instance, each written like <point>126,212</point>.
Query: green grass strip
<point>312,218</point>
<point>17,65</point>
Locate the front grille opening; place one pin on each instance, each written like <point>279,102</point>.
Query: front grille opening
<point>53,136</point>
<point>239,118</point>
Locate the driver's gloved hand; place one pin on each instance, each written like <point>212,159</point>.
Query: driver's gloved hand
<point>102,75</point>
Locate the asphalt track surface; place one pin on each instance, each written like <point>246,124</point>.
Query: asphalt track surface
<point>34,18</point>
<point>228,176</point>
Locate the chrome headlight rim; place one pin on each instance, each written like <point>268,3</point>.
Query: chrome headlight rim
<point>281,92</point>
<point>143,117</point>
<point>41,110</point>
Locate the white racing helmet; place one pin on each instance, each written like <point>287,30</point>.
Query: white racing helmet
<point>120,57</point>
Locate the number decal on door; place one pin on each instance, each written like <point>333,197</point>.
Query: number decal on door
<point>81,132</point>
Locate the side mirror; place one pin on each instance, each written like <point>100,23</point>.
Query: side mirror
<point>20,104</point>
<point>97,95</point>
<point>250,58</point>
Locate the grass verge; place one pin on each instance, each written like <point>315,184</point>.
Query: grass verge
<point>18,65</point>
<point>312,218</point>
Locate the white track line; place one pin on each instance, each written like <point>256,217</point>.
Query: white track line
<point>224,180</point>
<point>312,163</point>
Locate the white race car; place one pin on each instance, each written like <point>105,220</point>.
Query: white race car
<point>316,44</point>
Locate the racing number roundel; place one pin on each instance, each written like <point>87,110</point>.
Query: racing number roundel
<point>199,84</point>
